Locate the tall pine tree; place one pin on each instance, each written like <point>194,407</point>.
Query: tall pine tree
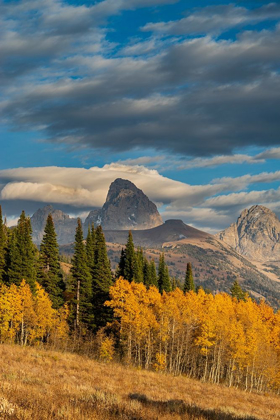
<point>49,272</point>
<point>163,275</point>
<point>153,274</point>
<point>82,282</point>
<point>22,254</point>
<point>189,282</point>
<point>130,268</point>
<point>120,268</point>
<point>101,281</point>
<point>147,272</point>
<point>139,266</point>
<point>90,248</point>
<point>150,273</point>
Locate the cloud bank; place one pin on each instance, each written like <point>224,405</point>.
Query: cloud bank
<point>184,89</point>
<point>212,206</point>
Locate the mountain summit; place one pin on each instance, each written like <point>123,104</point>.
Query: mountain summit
<point>126,207</point>
<point>256,234</point>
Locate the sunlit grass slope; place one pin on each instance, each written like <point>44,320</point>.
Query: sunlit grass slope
<point>40,384</point>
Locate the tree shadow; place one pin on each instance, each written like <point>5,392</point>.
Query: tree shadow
<point>179,407</point>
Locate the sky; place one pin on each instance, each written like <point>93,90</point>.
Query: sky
<point>181,97</point>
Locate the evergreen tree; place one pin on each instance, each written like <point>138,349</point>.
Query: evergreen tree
<point>147,273</point>
<point>163,275</point>
<point>101,281</point>
<point>237,292</point>
<point>139,266</point>
<point>49,273</point>
<point>130,264</point>
<point>90,248</point>
<point>120,269</point>
<point>22,254</point>
<point>3,244</point>
<point>189,283</point>
<point>153,274</point>
<point>137,273</point>
<point>82,282</point>
<point>175,283</point>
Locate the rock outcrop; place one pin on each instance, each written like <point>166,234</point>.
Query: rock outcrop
<point>65,226</point>
<point>126,207</point>
<point>255,235</point>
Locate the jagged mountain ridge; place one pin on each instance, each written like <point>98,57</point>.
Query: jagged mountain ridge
<point>255,235</point>
<point>170,231</point>
<point>64,224</point>
<point>215,264</point>
<point>126,207</point>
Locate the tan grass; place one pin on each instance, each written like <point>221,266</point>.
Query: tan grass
<point>40,384</point>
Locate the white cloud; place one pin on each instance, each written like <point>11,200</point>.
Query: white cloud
<point>273,153</point>
<point>243,199</point>
<point>217,161</point>
<point>242,182</point>
<point>82,189</point>
<point>215,19</point>
<point>88,187</point>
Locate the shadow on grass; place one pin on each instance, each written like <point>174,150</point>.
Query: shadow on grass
<point>179,407</point>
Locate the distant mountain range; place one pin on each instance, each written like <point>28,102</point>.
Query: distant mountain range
<point>215,264</point>
<point>248,250</point>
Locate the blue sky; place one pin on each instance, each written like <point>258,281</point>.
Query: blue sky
<point>181,97</point>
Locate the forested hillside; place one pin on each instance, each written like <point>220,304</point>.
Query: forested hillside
<point>137,315</point>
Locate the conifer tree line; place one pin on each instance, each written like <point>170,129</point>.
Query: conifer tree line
<point>91,275</point>
<point>150,321</point>
<point>88,287</point>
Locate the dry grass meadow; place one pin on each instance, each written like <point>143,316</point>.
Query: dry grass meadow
<point>41,384</point>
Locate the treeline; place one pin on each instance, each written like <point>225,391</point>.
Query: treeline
<point>149,319</point>
<point>87,288</point>
<point>214,338</point>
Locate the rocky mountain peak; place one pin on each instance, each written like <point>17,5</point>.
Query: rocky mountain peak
<point>121,187</point>
<point>256,234</point>
<point>65,225</point>
<point>126,207</point>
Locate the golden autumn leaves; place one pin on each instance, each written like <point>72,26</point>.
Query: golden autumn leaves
<point>215,338</point>
<point>27,318</point>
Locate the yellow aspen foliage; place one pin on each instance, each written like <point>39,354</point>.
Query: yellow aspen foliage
<point>160,363</point>
<point>28,315</point>
<point>6,311</point>
<point>44,313</point>
<point>28,318</point>
<point>60,327</point>
<point>106,350</point>
<point>215,338</point>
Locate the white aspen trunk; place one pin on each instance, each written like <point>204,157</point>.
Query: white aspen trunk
<point>78,305</point>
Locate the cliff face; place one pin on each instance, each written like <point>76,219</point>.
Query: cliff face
<point>256,234</point>
<point>65,226</point>
<point>126,207</point>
